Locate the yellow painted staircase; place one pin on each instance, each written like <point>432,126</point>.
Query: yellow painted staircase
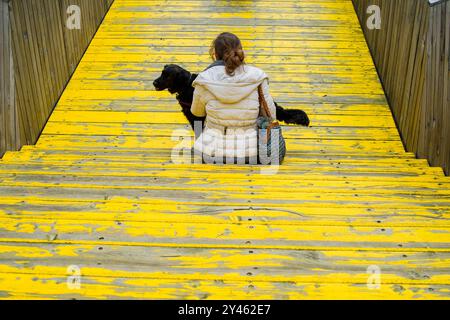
<point>100,208</point>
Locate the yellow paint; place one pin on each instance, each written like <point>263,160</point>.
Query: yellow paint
<point>101,191</point>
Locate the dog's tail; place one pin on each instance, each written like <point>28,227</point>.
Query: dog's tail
<point>292,116</point>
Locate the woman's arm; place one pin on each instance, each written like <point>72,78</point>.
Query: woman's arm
<point>198,107</point>
<point>269,99</point>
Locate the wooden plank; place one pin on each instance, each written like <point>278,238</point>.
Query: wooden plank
<point>302,77</point>
<point>19,286</point>
<point>179,58</point>
<point>292,171</point>
<point>170,104</point>
<point>278,88</point>
<point>223,197</point>
<point>232,235</point>
<point>35,177</point>
<point>135,44</point>
<point>30,155</point>
<point>157,117</point>
<point>337,215</point>
<point>196,66</point>
<point>252,265</point>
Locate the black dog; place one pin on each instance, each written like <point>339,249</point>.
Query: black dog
<point>178,80</point>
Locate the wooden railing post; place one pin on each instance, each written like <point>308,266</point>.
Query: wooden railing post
<point>8,112</point>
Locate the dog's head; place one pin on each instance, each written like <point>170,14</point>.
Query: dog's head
<point>173,78</point>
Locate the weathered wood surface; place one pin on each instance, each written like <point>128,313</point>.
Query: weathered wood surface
<point>412,54</point>
<point>43,54</point>
<point>101,190</point>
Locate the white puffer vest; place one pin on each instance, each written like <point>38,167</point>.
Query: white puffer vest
<point>231,107</point>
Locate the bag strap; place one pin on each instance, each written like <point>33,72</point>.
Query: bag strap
<point>264,108</point>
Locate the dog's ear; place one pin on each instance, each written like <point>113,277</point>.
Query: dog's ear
<point>179,80</point>
<point>183,76</point>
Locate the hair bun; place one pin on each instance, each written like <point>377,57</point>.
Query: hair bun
<point>228,47</point>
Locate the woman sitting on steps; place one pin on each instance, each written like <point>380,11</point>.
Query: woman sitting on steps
<point>228,93</point>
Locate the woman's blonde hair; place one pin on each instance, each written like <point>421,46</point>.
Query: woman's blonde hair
<point>228,47</point>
